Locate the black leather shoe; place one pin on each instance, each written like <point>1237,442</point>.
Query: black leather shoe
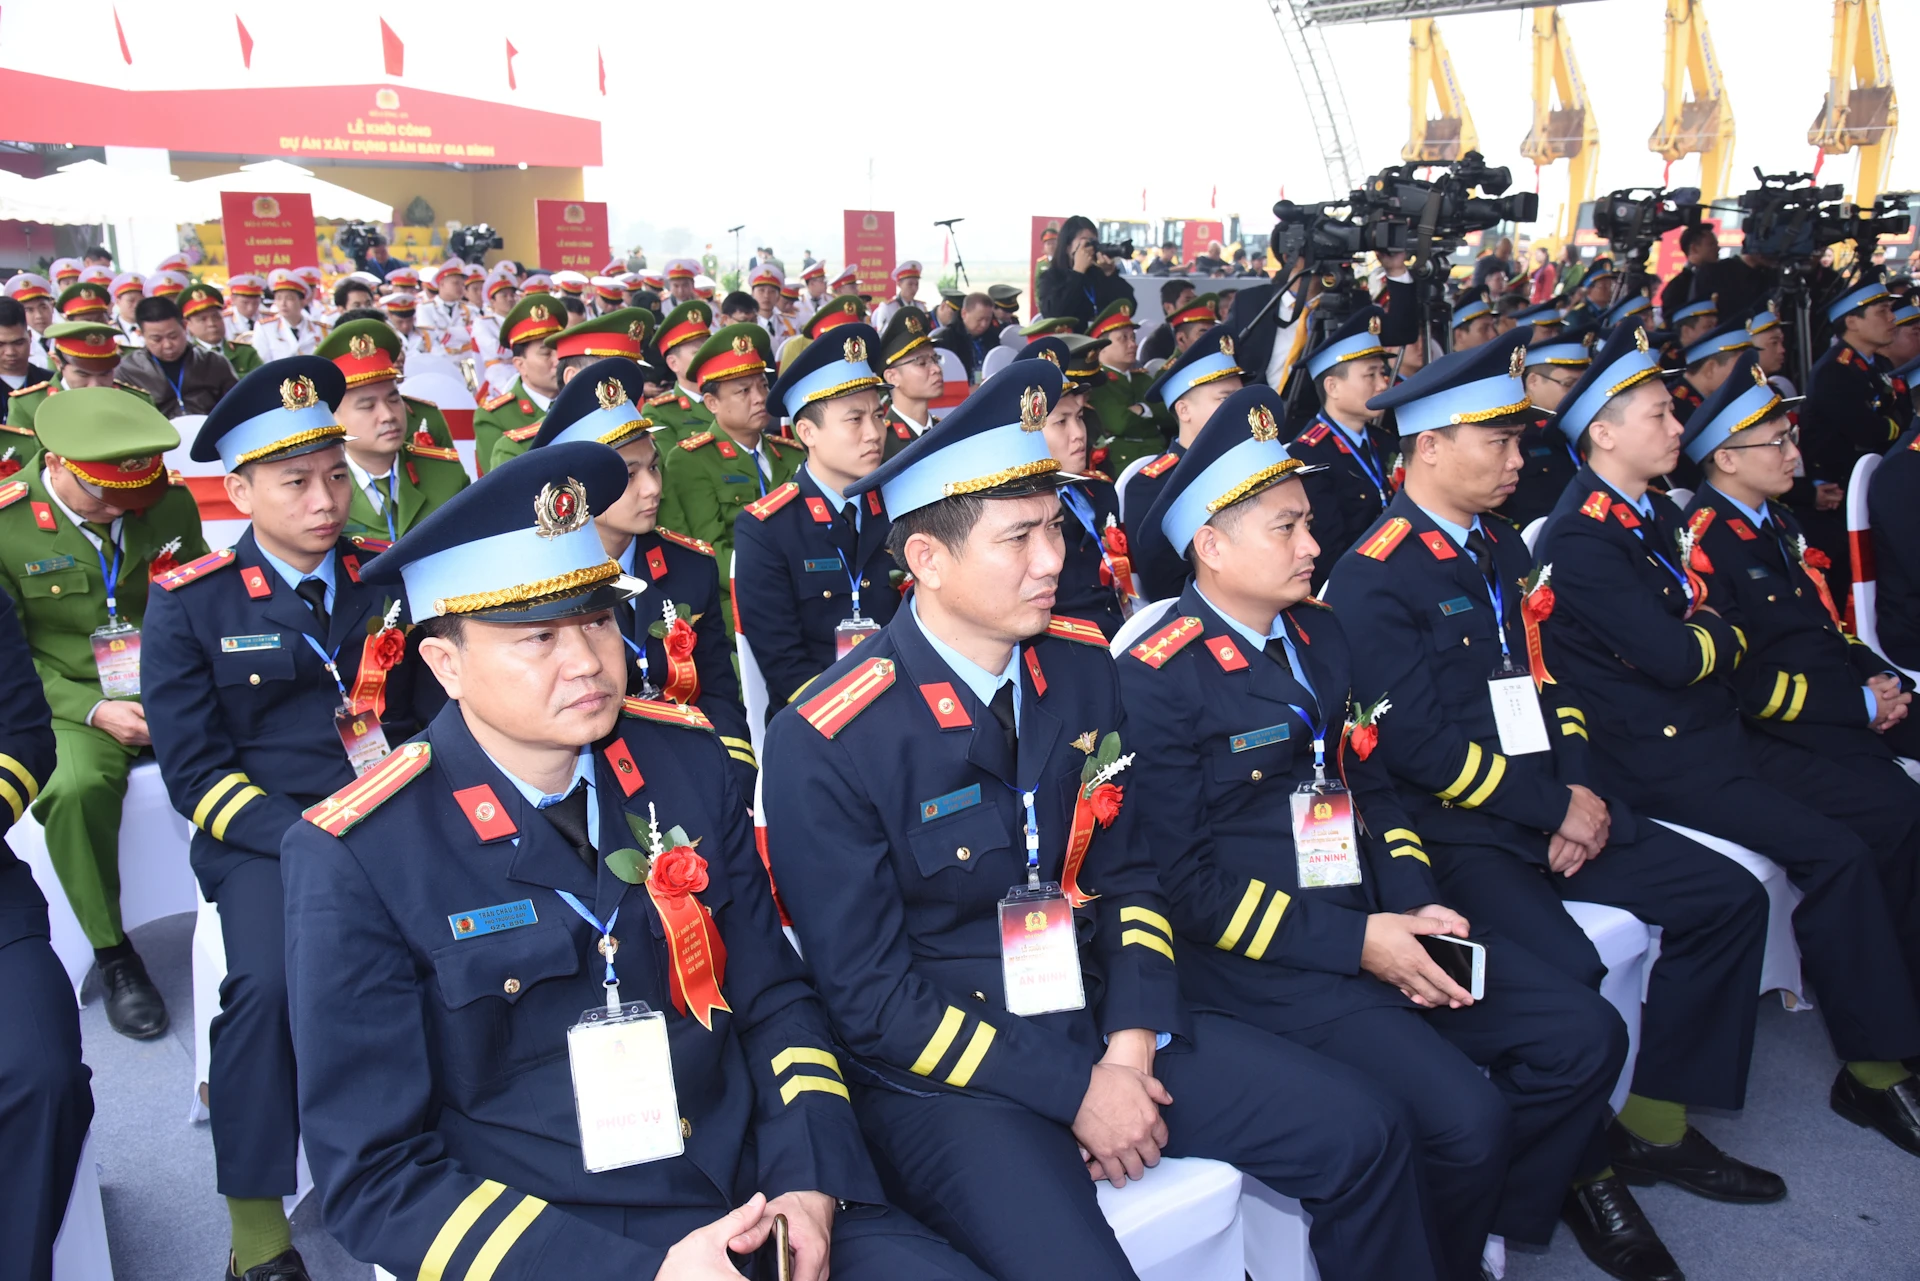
<point>1693,1163</point>
<point>286,1266</point>
<point>1615,1235</point>
<point>1894,1111</point>
<point>134,1007</point>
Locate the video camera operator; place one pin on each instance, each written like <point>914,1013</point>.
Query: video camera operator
<point>1083,277</point>
<point>1695,281</point>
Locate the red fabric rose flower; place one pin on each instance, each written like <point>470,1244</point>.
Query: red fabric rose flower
<point>8,467</point>
<point>1538,606</point>
<point>679,872</point>
<point>387,649</point>
<point>1105,803</point>
<point>163,563</point>
<point>1116,540</point>
<point>1365,739</point>
<point>1818,559</point>
<point>423,438</point>
<point>679,639</point>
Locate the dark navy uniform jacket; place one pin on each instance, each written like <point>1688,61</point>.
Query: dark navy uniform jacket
<point>1853,408</point>
<point>1426,638</point>
<point>893,840</point>
<point>436,1100</point>
<point>1221,751</point>
<point>683,571</point>
<point>242,706</point>
<point>793,556</point>
<point>1162,569</point>
<point>1547,465</point>
<point>1654,684</point>
<point>26,763</point>
<point>1802,676</point>
<point>1081,592</point>
<point>1893,505</point>
<point>1349,496</point>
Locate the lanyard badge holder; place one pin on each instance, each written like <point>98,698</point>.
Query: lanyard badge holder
<point>1515,698</point>
<point>623,1094</point>
<point>361,736</point>
<point>116,646</point>
<point>1039,949</point>
<point>1326,850</point>
<point>851,631</point>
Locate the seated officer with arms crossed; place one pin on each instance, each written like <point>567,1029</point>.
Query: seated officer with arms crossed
<point>1638,641</point>
<point>563,1035</point>
<point>810,577</point>
<point>266,669</point>
<point>81,533</point>
<point>675,631</point>
<point>1829,714</point>
<point>978,744</point>
<point>1234,724</point>
<point>1437,599</point>
<point>1350,450</point>
<point>1191,387</point>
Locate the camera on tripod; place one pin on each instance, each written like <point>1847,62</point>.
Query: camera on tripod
<point>1634,218</point>
<point>470,244</point>
<point>1786,216</point>
<point>1399,213</point>
<point>354,239</point>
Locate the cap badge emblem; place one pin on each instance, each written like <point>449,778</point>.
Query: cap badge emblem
<point>537,312</point>
<point>129,466</point>
<point>913,324</point>
<point>1373,325</point>
<point>1517,360</point>
<point>610,392</point>
<point>1033,409</point>
<point>856,350</point>
<point>1640,338</point>
<point>852,307</point>
<point>97,340</point>
<point>1759,379</point>
<point>298,393</point>
<point>637,331</point>
<point>1046,354</point>
<point>742,345</point>
<point>1260,418</point>
<point>560,509</point>
<point>1226,345</point>
<point>361,346</point>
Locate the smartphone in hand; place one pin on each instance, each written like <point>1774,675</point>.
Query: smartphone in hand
<point>1463,960</point>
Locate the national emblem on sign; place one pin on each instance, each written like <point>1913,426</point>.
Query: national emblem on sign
<point>1033,409</point>
<point>1036,921</point>
<point>856,350</point>
<point>610,392</point>
<point>266,207</point>
<point>560,509</point>
<point>1260,419</point>
<point>299,393</point>
<point>361,346</point>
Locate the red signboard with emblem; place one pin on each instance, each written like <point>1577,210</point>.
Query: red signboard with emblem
<point>870,248</point>
<point>1043,230</point>
<point>1196,235</point>
<point>266,229</point>
<point>572,234</point>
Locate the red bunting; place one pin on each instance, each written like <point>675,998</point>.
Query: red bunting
<point>126,54</point>
<point>246,43</point>
<point>394,49</point>
<point>512,53</point>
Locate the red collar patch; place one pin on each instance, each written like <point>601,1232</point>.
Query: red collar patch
<point>1226,652</point>
<point>43,517</point>
<point>625,772</point>
<point>726,448</point>
<point>256,580</point>
<point>1439,544</point>
<point>1740,527</point>
<point>352,566</point>
<point>482,809</point>
<point>822,514</point>
<point>945,706</point>
<point>1626,516</point>
<point>656,562</point>
<point>1033,670</point>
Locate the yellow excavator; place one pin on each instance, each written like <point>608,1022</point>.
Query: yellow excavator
<point>1860,109</point>
<point>1702,124</point>
<point>1568,131</point>
<point>1436,140</point>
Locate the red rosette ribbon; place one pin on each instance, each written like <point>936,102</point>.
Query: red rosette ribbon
<point>379,654</point>
<point>1105,803</point>
<point>693,942</point>
<point>683,677</point>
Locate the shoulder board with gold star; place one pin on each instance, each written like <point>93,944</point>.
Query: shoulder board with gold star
<point>176,477</point>
<point>522,433</point>
<point>1312,435</point>
<point>504,398</point>
<point>692,544</point>
<point>692,443</point>
<point>1701,519</point>
<point>12,492</point>
<point>833,708</point>
<point>761,508</point>
<point>374,545</point>
<point>1097,474</point>
<point>441,452</point>
<point>647,709</point>
<point>1381,545</point>
<point>39,386</point>
<point>177,578</point>
<point>1156,649</point>
<point>141,392</point>
<point>339,813</point>
<point>1596,505</point>
<point>1076,629</point>
<point>1161,465</point>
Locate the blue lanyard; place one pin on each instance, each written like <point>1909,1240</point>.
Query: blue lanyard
<point>111,575</point>
<point>1572,453</point>
<point>1083,512</point>
<point>1359,453</point>
<point>1033,831</point>
<point>1318,728</point>
<point>1499,609</point>
<point>853,580</point>
<point>607,945</point>
<point>327,659</point>
<point>178,384</point>
<point>759,476</point>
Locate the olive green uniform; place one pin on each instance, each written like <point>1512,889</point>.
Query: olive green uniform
<point>682,415</point>
<point>425,477</point>
<point>22,405</point>
<point>241,356</point>
<point>1125,434</point>
<point>709,478</point>
<point>513,408</point>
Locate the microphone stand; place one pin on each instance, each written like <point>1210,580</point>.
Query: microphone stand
<point>959,262</point>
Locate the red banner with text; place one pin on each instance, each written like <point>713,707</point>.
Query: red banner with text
<point>264,230</point>
<point>572,234</point>
<point>1196,235</point>
<point>870,248</point>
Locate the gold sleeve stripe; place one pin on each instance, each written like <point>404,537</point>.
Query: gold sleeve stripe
<point>801,1084</point>
<point>455,1229</point>
<point>1145,939</point>
<point>1495,772</point>
<point>19,771</point>
<point>1779,696</point>
<point>1741,636</point>
<point>805,1054</point>
<point>970,1061</point>
<point>1410,851</point>
<point>1571,714</point>
<point>1147,916</point>
<point>745,758</point>
<point>1707,652</point>
<point>1570,729</point>
<point>1467,774</point>
<point>803,688</point>
<point>487,1262</point>
<point>1256,890</point>
<point>1799,698</point>
<point>240,798</point>
<point>1401,834</point>
<point>13,800</point>
<point>212,798</point>
<point>937,1047</point>
<point>1276,908</point>
<point>738,748</point>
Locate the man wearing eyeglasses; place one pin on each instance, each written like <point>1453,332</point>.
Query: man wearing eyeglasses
<point>911,368</point>
<point>1554,363</point>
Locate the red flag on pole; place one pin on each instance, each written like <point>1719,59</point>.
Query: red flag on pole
<point>1213,201</point>
<point>394,49</point>
<point>601,58</point>
<point>125,53</point>
<point>1819,158</point>
<point>246,43</point>
<point>511,53</point>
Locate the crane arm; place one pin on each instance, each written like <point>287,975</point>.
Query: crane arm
<point>1451,134</point>
<point>1860,110</point>
<point>1568,131</point>
<point>1703,123</point>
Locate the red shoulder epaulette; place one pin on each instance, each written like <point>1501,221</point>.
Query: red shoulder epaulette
<point>1161,465</point>
<point>520,433</point>
<point>1381,545</point>
<point>337,815</point>
<point>667,713</point>
<point>1596,505</point>
<point>374,545</point>
<point>176,477</point>
<point>663,398</point>
<point>761,508</point>
<point>1313,435</point>
<point>445,454</point>
<point>1156,649</point>
<point>1846,356</point>
<point>1076,629</point>
<point>1701,519</point>
<point>833,708</point>
<point>497,401</point>
<point>692,443</point>
<point>12,492</point>
<point>184,574</point>
<point>694,544</point>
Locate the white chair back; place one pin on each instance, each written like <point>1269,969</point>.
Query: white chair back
<point>1531,534</point>
<point>1012,338</point>
<point>951,367</point>
<point>1120,485</point>
<point>1155,365</point>
<point>1144,620</point>
<point>997,359</point>
<point>1681,497</point>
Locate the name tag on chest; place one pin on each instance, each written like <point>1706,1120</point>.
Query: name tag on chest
<point>241,644</point>
<point>1246,742</point>
<point>822,566</point>
<point>732,478</point>
<point>51,565</point>
<point>491,920</point>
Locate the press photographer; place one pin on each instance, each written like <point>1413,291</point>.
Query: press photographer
<point>1083,277</point>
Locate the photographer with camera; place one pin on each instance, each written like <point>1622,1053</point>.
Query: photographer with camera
<point>1081,280</point>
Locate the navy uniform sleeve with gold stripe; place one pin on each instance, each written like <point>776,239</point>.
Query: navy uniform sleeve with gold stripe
<point>26,729</point>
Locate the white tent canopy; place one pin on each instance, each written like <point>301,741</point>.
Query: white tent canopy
<point>330,201</point>
<point>90,193</point>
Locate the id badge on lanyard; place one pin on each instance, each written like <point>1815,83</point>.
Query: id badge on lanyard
<point>1039,949</point>
<point>1325,849</point>
<point>1515,698</point>
<point>851,631</point>
<point>361,737</point>
<point>116,646</point>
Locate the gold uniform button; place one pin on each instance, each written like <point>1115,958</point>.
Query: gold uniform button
<point>1669,731</point>
<point>1466,640</point>
<point>1769,598</point>
<point>254,679</point>
<point>1257,776</point>
<point>686,1128</point>
<point>1796,591</point>
<point>979,996</point>
<point>511,987</point>
<point>865,583</point>
<point>963,853</point>
<point>54,590</point>
<point>826,594</point>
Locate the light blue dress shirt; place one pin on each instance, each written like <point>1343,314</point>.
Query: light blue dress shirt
<point>582,772</point>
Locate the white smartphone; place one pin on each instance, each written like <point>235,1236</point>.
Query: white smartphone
<point>1464,961</point>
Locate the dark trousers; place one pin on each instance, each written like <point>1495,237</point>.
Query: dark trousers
<point>46,1104</point>
<point>1501,1148</point>
<point>1008,1189</point>
<point>1696,1027</point>
<point>1848,945</point>
<point>250,1085</point>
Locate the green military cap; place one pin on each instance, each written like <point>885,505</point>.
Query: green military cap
<point>1084,370</point>
<point>737,351</point>
<point>1045,325</point>
<point>367,351</point>
<point>113,443</point>
<point>533,318</point>
<point>94,345</point>
<point>1115,315</point>
<point>841,309</point>
<point>1004,296</point>
<point>622,332</point>
<point>83,298</point>
<point>905,334</point>
<point>691,320</point>
<point>954,298</point>
<point>198,297</point>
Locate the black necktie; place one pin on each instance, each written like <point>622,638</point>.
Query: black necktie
<point>569,818</point>
<point>849,537</point>
<point>1002,706</point>
<point>1482,552</point>
<point>314,592</point>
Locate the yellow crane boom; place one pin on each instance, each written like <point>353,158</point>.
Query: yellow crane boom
<point>1570,130</point>
<point>1450,135</point>
<point>1703,123</point>
<point>1860,109</point>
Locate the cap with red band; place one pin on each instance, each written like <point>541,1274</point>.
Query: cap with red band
<point>364,350</point>
<point>737,351</point>
<point>689,322</point>
<point>618,333</point>
<point>95,346</point>
<point>534,317</point>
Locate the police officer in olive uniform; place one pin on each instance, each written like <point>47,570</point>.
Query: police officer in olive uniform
<point>399,471</point>
<point>1643,648</point>
<point>911,368</point>
<point>88,354</point>
<point>81,532</point>
<point>1351,451</point>
<point>1556,357</point>
<point>1125,429</point>
<point>712,476</point>
<point>680,409</point>
<point>811,571</point>
<point>845,310</point>
<point>527,332</point>
<point>210,329</point>
<point>580,912</point>
<point>267,678</point>
<point>964,751</point>
<point>620,332</point>
<point>1190,387</point>
<point>675,631</point>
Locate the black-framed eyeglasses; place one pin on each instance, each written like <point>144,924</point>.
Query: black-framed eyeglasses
<point>1780,443</point>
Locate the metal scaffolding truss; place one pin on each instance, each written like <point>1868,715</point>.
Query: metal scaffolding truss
<point>1313,71</point>
<point>1329,13</point>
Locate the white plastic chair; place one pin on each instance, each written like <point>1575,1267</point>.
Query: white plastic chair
<point>1180,1223</point>
<point>1780,967</point>
<point>1680,497</point>
<point>80,1250</point>
<point>997,359</point>
<point>1125,479</point>
<point>951,367</point>
<point>1276,1227</point>
<point>1155,365</point>
<point>1626,948</point>
<point>1011,337</point>
<point>1531,534</point>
